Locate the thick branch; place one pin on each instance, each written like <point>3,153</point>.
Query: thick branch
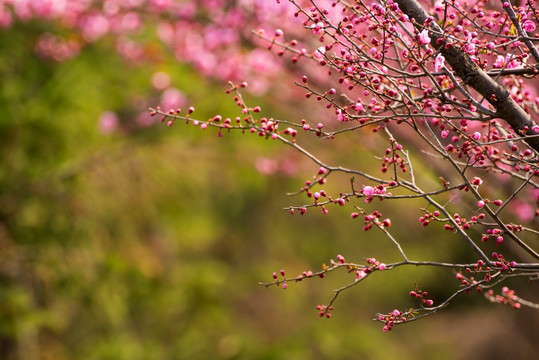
<point>463,66</point>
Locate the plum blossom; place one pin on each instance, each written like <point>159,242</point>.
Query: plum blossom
<point>477,180</point>
<point>508,62</point>
<point>367,191</point>
<point>319,53</point>
<point>528,25</point>
<point>424,37</point>
<point>469,46</point>
<point>318,27</point>
<point>498,63</point>
<point>439,63</point>
<point>360,274</point>
<point>340,115</point>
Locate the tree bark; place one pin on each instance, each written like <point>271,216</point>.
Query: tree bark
<point>472,75</point>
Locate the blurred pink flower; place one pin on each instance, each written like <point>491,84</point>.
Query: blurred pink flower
<point>172,98</point>
<point>266,165</point>
<point>108,122</point>
<point>524,211</point>
<point>160,80</point>
<point>6,19</point>
<point>94,26</point>
<point>162,4</point>
<point>130,22</point>
<point>56,47</point>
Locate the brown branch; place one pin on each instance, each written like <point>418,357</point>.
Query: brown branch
<point>472,75</point>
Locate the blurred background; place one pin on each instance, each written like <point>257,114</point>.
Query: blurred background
<point>121,238</point>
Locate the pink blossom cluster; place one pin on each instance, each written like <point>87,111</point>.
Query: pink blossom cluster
<point>212,35</point>
<point>506,297</point>
<point>394,317</point>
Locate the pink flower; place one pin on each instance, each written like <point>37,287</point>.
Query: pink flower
<point>528,25</point>
<point>172,98</point>
<point>108,122</point>
<point>511,63</point>
<point>424,37</point>
<point>319,53</point>
<point>160,80</point>
<point>340,115</point>
<point>469,46</point>
<point>162,4</point>
<point>498,63</point>
<point>94,27</point>
<point>477,180</point>
<point>318,27</point>
<point>439,63</point>
<point>358,107</point>
<point>367,191</point>
<point>360,275</point>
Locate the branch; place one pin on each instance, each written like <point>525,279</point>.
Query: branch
<point>463,66</point>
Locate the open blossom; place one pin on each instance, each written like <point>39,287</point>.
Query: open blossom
<point>500,62</point>
<point>318,27</point>
<point>367,191</point>
<point>319,53</point>
<point>424,37</point>
<point>469,46</point>
<point>439,63</point>
<point>528,25</point>
<point>358,107</point>
<point>340,115</point>
<point>360,274</point>
<point>477,181</point>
